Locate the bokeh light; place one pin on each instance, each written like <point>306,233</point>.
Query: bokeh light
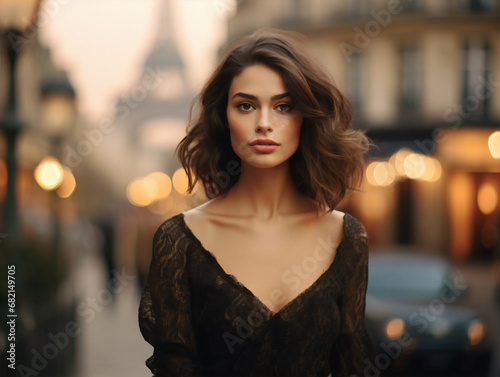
<point>487,198</point>
<point>414,166</point>
<point>432,169</point>
<point>395,328</point>
<point>397,161</point>
<point>380,173</point>
<point>162,182</point>
<point>180,181</point>
<point>67,185</point>
<point>494,144</point>
<point>49,173</point>
<point>476,332</point>
<point>141,191</point>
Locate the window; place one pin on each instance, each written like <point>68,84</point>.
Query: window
<point>410,89</point>
<point>476,79</point>
<point>355,83</point>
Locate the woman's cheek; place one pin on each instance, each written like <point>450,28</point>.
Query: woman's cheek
<point>239,140</point>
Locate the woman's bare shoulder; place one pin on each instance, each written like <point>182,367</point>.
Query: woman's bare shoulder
<point>332,224</point>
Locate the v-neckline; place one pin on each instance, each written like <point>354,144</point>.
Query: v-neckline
<point>234,280</point>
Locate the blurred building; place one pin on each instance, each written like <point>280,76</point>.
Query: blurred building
<point>46,250</point>
<point>37,79</point>
<point>423,77</point>
<point>137,159</point>
<point>150,117</point>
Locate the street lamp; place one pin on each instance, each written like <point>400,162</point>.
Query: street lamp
<point>58,115</point>
<point>58,111</point>
<point>16,17</point>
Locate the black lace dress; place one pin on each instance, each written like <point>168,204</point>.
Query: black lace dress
<point>202,322</point>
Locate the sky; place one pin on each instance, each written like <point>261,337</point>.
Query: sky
<point>102,44</point>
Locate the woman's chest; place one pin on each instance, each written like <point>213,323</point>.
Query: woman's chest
<point>274,264</point>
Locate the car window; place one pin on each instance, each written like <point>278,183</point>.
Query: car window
<point>406,280</point>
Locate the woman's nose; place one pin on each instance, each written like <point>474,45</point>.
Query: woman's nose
<point>264,123</point>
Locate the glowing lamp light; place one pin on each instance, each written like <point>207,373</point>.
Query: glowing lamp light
<point>180,181</point>
<point>380,173</point>
<point>476,332</point>
<point>141,191</point>
<point>494,144</point>
<point>49,173</point>
<point>432,169</point>
<point>487,198</point>
<point>162,182</point>
<point>414,166</point>
<point>394,328</point>
<point>67,185</point>
<point>397,161</point>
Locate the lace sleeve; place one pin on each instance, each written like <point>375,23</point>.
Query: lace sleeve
<point>355,345</point>
<point>165,308</point>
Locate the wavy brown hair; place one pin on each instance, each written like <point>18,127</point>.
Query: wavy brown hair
<point>329,160</point>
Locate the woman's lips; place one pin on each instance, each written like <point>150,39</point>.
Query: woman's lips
<point>264,145</point>
<point>264,148</point>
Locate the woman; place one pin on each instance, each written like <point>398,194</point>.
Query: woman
<point>266,278</point>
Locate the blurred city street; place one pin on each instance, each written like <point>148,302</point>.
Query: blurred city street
<point>110,345</point>
<point>92,111</point>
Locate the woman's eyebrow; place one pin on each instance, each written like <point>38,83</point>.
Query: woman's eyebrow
<point>251,96</point>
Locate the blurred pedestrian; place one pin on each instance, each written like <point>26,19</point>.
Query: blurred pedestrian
<point>107,244</point>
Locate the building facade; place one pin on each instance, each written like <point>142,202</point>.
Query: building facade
<point>423,77</point>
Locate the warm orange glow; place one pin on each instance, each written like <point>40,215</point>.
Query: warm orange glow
<point>414,166</point>
<point>68,184</point>
<point>461,193</point>
<point>380,173</point>
<point>162,182</point>
<point>476,332</point>
<point>141,192</point>
<point>467,150</point>
<point>411,165</point>
<point>394,328</point>
<point>487,198</point>
<point>494,144</point>
<point>432,169</point>
<point>373,204</point>
<point>397,161</point>
<point>180,181</point>
<point>49,173</point>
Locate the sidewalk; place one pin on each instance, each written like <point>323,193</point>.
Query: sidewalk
<point>110,344</point>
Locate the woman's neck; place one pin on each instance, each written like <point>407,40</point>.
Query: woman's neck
<point>267,193</point>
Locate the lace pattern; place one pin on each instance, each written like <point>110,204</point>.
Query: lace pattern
<point>203,322</point>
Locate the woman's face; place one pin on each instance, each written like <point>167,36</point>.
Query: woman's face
<point>263,123</point>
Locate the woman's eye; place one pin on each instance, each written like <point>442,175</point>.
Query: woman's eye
<point>244,106</point>
<point>284,107</point>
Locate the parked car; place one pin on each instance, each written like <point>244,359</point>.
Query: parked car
<point>418,317</point>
